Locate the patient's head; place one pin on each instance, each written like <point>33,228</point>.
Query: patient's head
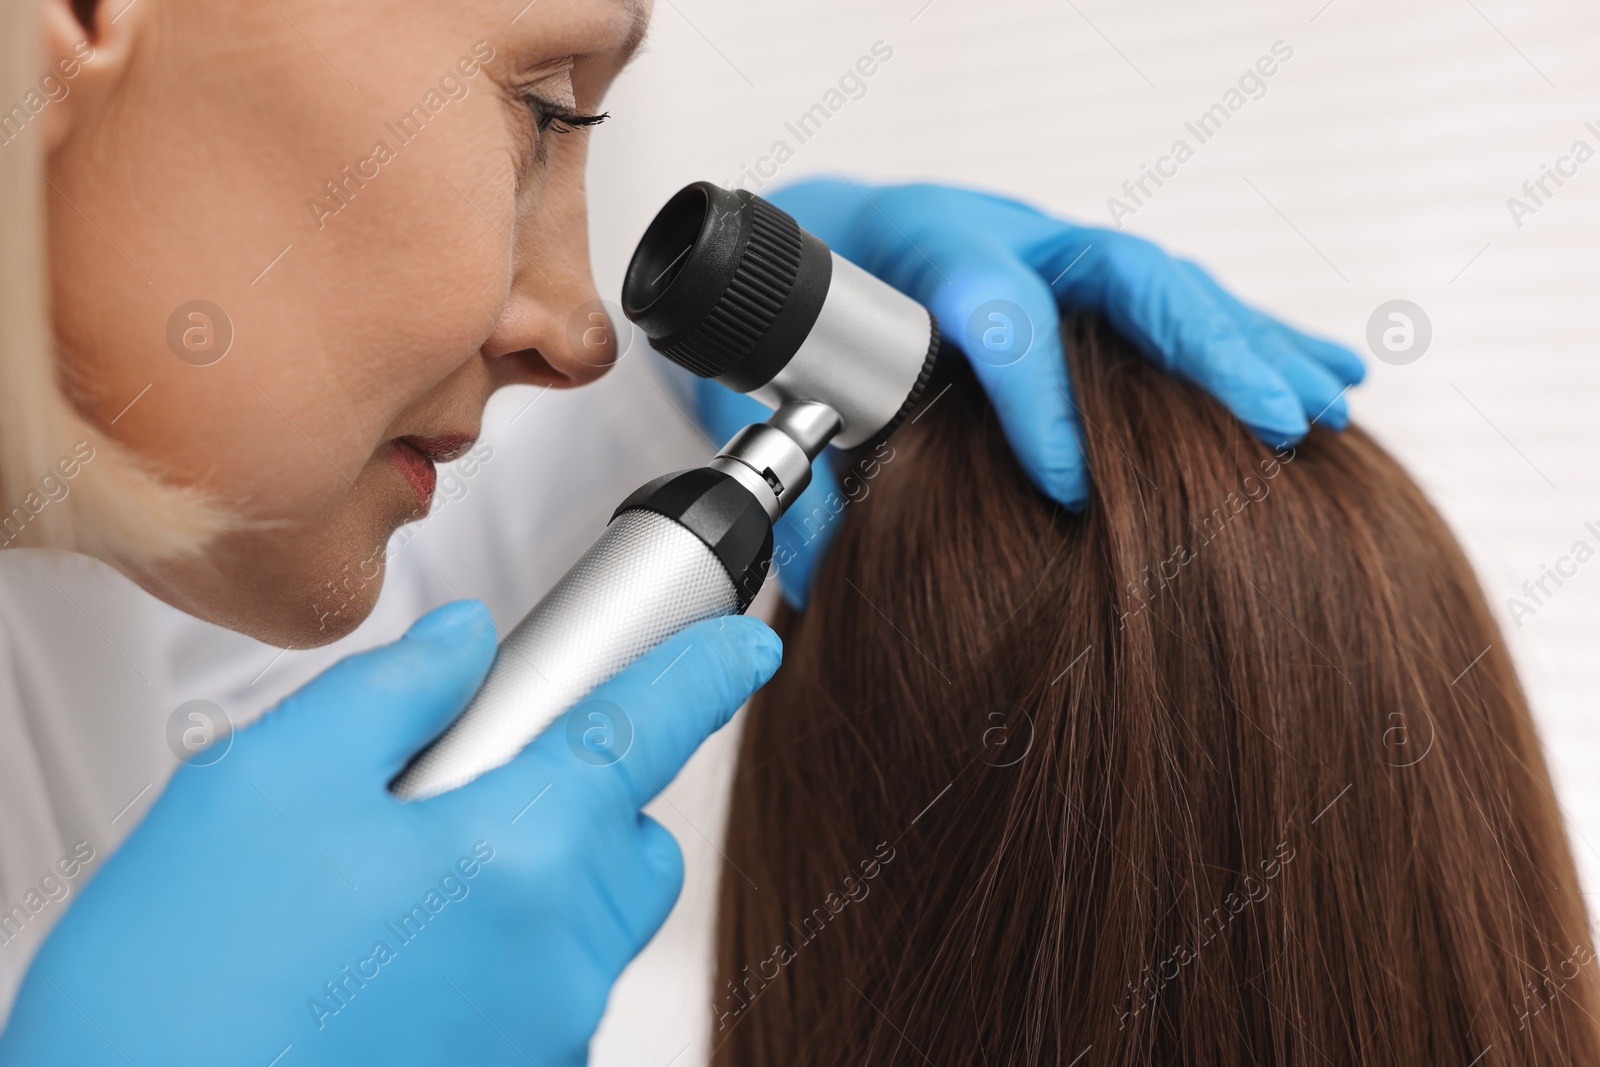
<point>1231,768</point>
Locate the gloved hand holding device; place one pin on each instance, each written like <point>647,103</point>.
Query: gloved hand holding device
<point>283,902</point>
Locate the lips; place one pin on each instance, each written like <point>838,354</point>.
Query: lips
<point>415,457</point>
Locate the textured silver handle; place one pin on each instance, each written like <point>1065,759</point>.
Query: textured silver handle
<point>645,579</point>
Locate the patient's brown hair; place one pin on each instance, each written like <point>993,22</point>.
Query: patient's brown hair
<point>1231,768</point>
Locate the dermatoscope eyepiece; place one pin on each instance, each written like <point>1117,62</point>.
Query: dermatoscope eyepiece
<point>728,286</point>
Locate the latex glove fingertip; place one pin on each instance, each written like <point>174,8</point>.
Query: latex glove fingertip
<point>1067,483</point>
<point>450,620</point>
<point>1274,437</point>
<point>1336,416</point>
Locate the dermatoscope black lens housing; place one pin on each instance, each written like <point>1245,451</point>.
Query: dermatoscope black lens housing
<point>726,285</point>
<point>730,287</point>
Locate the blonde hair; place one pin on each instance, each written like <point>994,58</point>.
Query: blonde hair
<point>111,505</point>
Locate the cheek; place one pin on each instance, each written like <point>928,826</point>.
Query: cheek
<point>323,330</point>
<point>322,336</point>
<point>409,279</point>
<point>422,258</point>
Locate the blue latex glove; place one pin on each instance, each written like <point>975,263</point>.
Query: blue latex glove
<point>243,917</point>
<point>996,274</point>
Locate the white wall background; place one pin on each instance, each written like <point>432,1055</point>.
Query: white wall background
<point>1377,166</point>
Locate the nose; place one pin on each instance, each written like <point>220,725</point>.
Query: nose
<point>553,330</point>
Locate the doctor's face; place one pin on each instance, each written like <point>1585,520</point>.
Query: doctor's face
<point>295,245</point>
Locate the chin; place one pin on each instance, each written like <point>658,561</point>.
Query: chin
<point>331,619</point>
<point>297,583</point>
<point>295,621</point>
<point>288,592</point>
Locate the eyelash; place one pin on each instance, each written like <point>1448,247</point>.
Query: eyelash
<point>548,115</point>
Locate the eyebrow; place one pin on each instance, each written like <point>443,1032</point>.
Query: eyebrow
<point>637,32</point>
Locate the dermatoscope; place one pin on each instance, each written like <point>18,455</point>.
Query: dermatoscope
<point>729,287</point>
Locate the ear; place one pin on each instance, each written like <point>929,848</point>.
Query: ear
<point>87,46</point>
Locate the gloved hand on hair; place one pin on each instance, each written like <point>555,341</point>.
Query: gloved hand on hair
<point>280,906</point>
<point>997,274</point>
